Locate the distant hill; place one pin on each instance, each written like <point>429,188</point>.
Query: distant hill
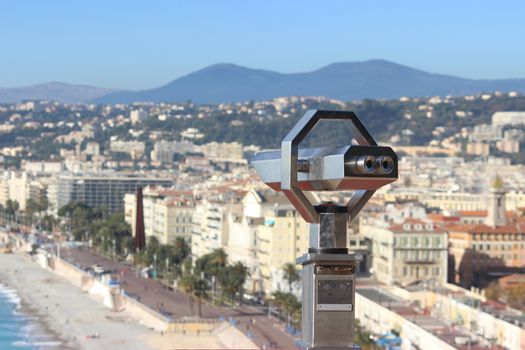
<point>345,81</point>
<point>60,92</point>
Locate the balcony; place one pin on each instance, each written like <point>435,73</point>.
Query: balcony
<point>416,261</point>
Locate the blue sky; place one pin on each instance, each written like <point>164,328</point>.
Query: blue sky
<point>143,44</point>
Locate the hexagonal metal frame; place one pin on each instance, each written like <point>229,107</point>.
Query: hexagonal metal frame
<point>289,159</point>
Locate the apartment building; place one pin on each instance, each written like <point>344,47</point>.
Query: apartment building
<point>223,151</point>
<point>265,235</point>
<point>163,151</point>
<point>167,213</point>
<point>210,228</point>
<point>282,239</point>
<point>100,190</point>
<point>406,245</point>
<point>483,251</point>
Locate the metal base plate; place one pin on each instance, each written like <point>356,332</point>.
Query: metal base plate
<point>299,343</point>
<point>329,258</point>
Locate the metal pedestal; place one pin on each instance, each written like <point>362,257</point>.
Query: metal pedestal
<point>328,301</point>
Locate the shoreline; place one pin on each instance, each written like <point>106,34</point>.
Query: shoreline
<point>44,337</point>
<point>34,331</point>
<point>80,321</point>
<point>65,313</point>
<point>38,320</point>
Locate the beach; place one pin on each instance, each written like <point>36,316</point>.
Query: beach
<point>77,320</point>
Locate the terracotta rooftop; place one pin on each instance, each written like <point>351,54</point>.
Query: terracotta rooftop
<point>512,228</point>
<point>401,228</point>
<point>443,218</point>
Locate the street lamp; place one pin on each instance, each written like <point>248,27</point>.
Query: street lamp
<point>166,267</point>
<point>155,263</point>
<point>328,276</point>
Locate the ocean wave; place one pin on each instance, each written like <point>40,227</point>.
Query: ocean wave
<point>36,344</point>
<point>31,333</point>
<point>10,294</point>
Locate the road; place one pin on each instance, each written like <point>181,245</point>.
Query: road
<point>264,331</point>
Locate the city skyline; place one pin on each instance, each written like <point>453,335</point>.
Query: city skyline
<point>262,175</point>
<point>137,46</point>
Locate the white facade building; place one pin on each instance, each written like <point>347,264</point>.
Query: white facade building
<point>508,118</point>
<point>167,214</point>
<point>406,248</point>
<point>137,116</point>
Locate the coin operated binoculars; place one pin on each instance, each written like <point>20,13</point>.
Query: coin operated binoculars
<point>328,274</point>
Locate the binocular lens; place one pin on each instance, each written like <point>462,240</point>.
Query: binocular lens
<point>367,165</point>
<point>385,165</point>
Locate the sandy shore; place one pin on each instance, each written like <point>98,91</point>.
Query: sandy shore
<point>74,316</point>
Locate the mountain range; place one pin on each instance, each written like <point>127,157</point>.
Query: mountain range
<point>232,83</point>
<point>53,91</point>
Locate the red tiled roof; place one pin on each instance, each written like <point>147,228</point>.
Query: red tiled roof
<point>442,218</point>
<point>472,213</point>
<point>483,213</point>
<point>401,227</point>
<point>513,228</point>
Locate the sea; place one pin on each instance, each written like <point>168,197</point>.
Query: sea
<point>19,331</point>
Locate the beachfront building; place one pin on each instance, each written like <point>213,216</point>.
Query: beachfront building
<point>167,213</point>
<point>283,237</point>
<point>266,234</point>
<point>99,190</point>
<point>209,228</point>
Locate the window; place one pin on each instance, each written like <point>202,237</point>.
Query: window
<point>425,256</point>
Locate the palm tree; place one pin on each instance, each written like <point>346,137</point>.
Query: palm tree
<point>288,303</point>
<point>218,260</point>
<point>291,305</point>
<point>232,280</point>
<point>214,266</point>
<point>290,274</point>
<point>186,283</point>
<point>180,250</point>
<point>278,300</point>
<point>200,290</point>
<point>241,273</point>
